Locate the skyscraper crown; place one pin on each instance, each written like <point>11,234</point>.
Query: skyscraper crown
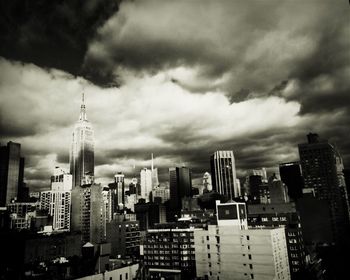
<point>83,116</point>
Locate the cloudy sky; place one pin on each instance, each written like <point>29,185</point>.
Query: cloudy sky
<point>180,79</point>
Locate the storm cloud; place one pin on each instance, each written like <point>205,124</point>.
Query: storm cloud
<point>179,79</point>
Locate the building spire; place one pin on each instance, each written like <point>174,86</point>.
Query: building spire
<point>152,162</point>
<point>82,116</point>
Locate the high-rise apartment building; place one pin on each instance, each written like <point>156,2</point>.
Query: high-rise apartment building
<point>223,172</point>
<point>290,173</point>
<point>82,149</point>
<point>57,201</point>
<point>282,215</point>
<point>230,250</point>
<point>180,187</point>
<point>11,172</point>
<point>322,170</point>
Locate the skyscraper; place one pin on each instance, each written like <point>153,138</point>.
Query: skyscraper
<point>82,149</point>
<point>11,172</point>
<point>146,183</point>
<point>180,187</point>
<point>155,181</point>
<point>223,172</point>
<point>322,170</point>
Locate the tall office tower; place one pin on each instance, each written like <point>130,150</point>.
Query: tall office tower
<point>291,175</point>
<point>11,172</point>
<point>155,181</point>
<point>180,187</point>
<point>230,250</point>
<point>82,149</point>
<point>207,183</point>
<point>146,183</point>
<point>321,167</point>
<point>223,173</point>
<point>119,180</point>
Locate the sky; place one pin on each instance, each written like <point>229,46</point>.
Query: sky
<point>179,79</point>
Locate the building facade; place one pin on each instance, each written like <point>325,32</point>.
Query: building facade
<point>322,171</point>
<point>223,172</point>
<point>229,250</point>
<point>290,173</point>
<point>146,183</point>
<point>170,252</point>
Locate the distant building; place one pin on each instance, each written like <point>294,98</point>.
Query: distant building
<point>278,192</point>
<point>161,192</point>
<point>155,181</point>
<point>146,183</point>
<point>117,191</point>
<point>322,170</point>
<point>223,171</point>
<point>207,183</point>
<point>291,175</point>
<point>11,172</point>
<point>22,214</point>
<point>149,214</point>
<point>232,251</point>
<point>82,149</point>
<point>180,187</point>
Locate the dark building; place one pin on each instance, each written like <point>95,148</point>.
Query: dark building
<point>169,253</point>
<point>117,190</point>
<point>149,214</point>
<point>124,237</point>
<point>277,215</point>
<point>180,187</point>
<point>291,175</point>
<point>20,250</point>
<point>11,172</point>
<point>258,189</point>
<point>223,172</point>
<point>322,171</point>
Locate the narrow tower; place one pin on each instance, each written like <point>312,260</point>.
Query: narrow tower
<point>82,150</point>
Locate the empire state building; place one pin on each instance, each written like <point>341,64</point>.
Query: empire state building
<point>82,150</point>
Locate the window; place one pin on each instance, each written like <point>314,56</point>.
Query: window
<point>250,256</point>
<point>208,247</point>
<point>250,266</point>
<point>207,237</point>
<point>251,276</point>
<point>121,277</point>
<point>208,256</point>
<point>247,237</point>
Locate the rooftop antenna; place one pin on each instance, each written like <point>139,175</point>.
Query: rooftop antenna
<point>152,162</point>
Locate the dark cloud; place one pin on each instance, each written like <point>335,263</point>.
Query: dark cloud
<point>51,33</point>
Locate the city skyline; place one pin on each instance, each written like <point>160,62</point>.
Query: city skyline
<point>249,83</point>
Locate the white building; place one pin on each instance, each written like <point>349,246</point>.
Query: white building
<point>207,184</point>
<point>146,183</point>
<point>232,251</point>
<point>61,180</point>
<point>58,204</point>
<point>58,200</point>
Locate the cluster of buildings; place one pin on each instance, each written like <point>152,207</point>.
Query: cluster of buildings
<point>293,224</point>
